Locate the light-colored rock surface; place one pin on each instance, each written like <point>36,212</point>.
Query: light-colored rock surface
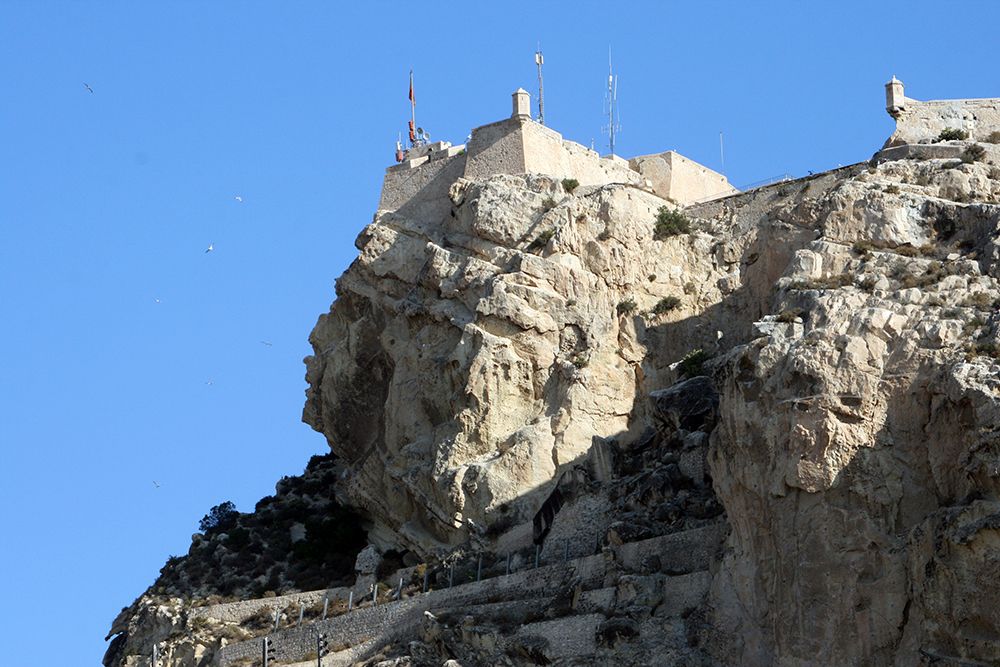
<point>482,366</point>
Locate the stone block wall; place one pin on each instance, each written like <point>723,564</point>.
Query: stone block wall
<point>921,122</point>
<point>675,177</point>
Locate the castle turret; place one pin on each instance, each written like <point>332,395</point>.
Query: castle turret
<point>522,104</point>
<point>895,102</point>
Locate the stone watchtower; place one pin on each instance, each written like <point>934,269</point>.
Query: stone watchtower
<point>895,102</point>
<point>522,104</point>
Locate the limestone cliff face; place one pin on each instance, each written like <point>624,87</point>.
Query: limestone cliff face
<point>469,359</point>
<point>857,455</point>
<point>852,317</point>
<point>488,346</point>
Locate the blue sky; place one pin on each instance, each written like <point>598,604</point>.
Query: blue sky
<point>109,199</point>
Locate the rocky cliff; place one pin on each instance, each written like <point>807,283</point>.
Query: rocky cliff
<point>812,366</point>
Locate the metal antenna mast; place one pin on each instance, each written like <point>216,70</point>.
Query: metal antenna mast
<point>613,126</point>
<point>722,153</point>
<point>413,114</point>
<point>539,60</point>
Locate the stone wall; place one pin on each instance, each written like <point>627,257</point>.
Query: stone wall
<point>685,554</point>
<point>675,177</point>
<point>922,122</point>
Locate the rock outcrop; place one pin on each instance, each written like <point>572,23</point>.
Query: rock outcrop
<point>810,369</point>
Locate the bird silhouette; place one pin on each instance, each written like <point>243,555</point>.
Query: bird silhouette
<point>239,198</point>
<point>156,484</point>
<point>211,247</point>
<point>89,89</point>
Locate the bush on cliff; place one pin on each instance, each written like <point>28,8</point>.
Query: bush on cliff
<point>952,134</point>
<point>670,223</point>
<point>219,519</point>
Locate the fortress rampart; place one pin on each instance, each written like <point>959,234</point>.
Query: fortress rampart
<point>920,122</point>
<point>519,145</point>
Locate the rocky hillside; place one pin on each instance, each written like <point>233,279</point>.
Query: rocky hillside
<point>813,365</point>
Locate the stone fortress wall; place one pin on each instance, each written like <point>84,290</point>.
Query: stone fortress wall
<point>519,145</point>
<point>920,122</point>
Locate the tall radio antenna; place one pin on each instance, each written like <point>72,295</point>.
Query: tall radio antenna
<point>539,60</point>
<point>413,114</point>
<point>722,153</point>
<point>613,127</point>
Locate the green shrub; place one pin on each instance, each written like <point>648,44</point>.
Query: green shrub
<point>693,363</point>
<point>580,360</point>
<point>670,223</point>
<point>548,203</point>
<point>790,315</point>
<point>973,153</point>
<point>951,133</point>
<point>219,518</point>
<point>665,305</point>
<point>570,184</point>
<point>892,189</point>
<point>542,240</point>
<point>980,300</point>
<point>830,282</point>
<point>626,307</point>
<point>993,138</point>
<point>604,235</point>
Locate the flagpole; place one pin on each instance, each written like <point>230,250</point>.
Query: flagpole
<point>413,111</point>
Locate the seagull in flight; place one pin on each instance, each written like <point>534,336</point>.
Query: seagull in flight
<point>89,89</point>
<point>209,382</point>
<point>156,484</point>
<point>239,198</point>
<point>156,300</point>
<point>266,342</point>
<point>211,247</point>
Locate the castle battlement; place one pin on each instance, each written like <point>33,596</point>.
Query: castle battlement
<point>920,122</point>
<point>519,145</point>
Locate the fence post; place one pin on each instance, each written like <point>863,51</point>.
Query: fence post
<point>326,604</point>
<point>375,594</point>
<point>399,592</point>
<point>302,613</point>
<point>350,601</point>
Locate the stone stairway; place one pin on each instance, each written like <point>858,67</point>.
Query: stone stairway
<point>623,593</point>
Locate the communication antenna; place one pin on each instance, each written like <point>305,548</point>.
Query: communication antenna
<point>722,153</point>
<point>413,114</point>
<point>539,60</point>
<point>613,127</point>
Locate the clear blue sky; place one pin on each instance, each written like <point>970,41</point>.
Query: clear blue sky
<point>109,199</point>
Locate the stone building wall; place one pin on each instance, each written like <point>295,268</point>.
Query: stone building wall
<point>922,122</point>
<point>675,177</point>
<point>519,145</point>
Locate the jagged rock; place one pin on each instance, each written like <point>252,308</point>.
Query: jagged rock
<point>688,405</point>
<point>616,630</point>
<point>846,331</point>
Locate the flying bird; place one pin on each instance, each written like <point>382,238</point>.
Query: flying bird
<point>89,89</point>
<point>266,342</point>
<point>156,300</point>
<point>239,198</point>
<point>209,382</point>
<point>211,247</point>
<point>156,484</point>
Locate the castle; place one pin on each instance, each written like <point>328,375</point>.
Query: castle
<point>519,145</point>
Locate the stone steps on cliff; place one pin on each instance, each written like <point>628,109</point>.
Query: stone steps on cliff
<point>678,562</point>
